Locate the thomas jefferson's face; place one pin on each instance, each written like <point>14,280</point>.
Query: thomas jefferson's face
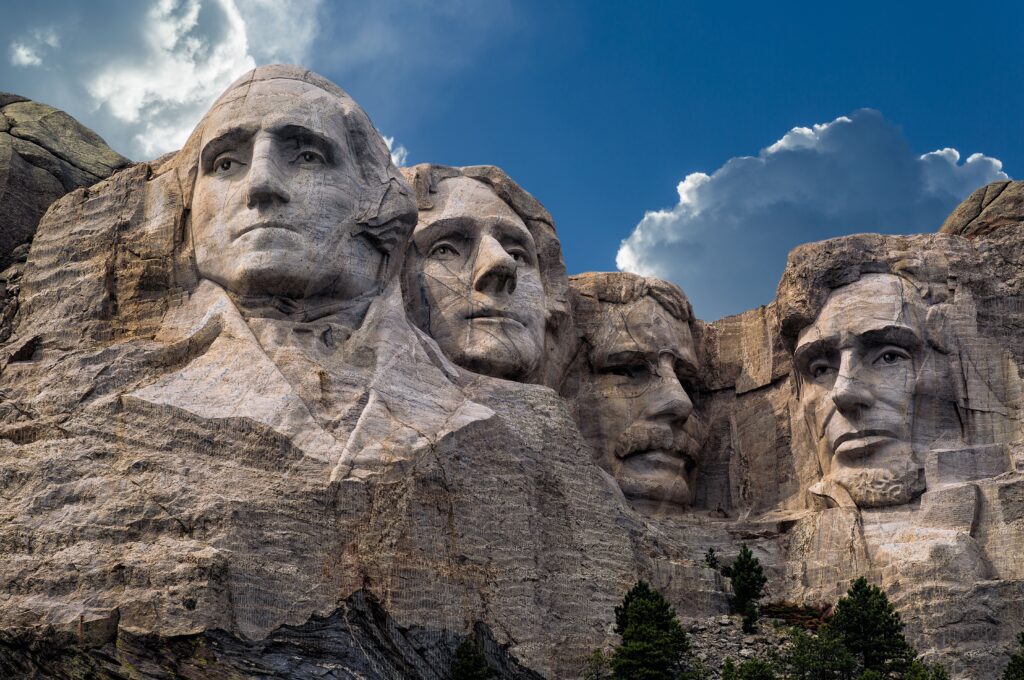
<point>861,364</point>
<point>635,410</point>
<point>476,263</point>
<point>275,197</point>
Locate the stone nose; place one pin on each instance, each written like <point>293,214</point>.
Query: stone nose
<point>266,185</point>
<point>495,270</point>
<point>849,393</point>
<point>668,400</point>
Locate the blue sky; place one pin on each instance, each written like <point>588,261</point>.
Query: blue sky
<point>710,138</point>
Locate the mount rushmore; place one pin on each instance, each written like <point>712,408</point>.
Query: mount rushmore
<point>271,392</point>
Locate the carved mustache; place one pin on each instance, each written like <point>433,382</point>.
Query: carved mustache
<point>647,437</point>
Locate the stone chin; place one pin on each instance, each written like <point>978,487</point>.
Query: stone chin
<point>492,354</point>
<point>645,481</point>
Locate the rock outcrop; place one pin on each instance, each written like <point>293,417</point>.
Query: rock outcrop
<point>991,207</point>
<point>44,154</point>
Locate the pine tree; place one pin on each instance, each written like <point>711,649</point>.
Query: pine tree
<point>748,582</point>
<point>818,658</point>
<point>729,669</point>
<point>866,624</point>
<point>1015,669</point>
<point>470,663</point>
<point>654,645</point>
<point>597,667</point>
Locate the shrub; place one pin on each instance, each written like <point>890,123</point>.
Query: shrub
<point>469,663</point>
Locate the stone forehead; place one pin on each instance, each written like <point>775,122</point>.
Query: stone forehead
<point>872,300</point>
<point>463,195</point>
<point>594,290</point>
<point>641,321</point>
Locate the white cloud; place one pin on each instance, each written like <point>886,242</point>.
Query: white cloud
<point>194,49</point>
<point>399,154</point>
<point>29,52</point>
<point>23,55</point>
<point>726,239</point>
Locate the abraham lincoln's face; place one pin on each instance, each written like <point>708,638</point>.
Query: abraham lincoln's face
<point>862,366</point>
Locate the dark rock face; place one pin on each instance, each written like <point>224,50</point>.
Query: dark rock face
<point>44,154</point>
<point>358,641</point>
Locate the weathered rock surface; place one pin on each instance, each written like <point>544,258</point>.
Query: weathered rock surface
<point>44,154</point>
<point>991,207</point>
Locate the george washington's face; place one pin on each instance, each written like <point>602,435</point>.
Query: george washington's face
<point>862,364</point>
<point>275,198</point>
<point>476,265</point>
<point>635,406</point>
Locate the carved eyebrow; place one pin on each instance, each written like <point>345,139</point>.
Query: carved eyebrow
<point>803,353</point>
<point>621,356</point>
<point>443,227</point>
<point>305,136</point>
<point>225,140</point>
<point>902,336</point>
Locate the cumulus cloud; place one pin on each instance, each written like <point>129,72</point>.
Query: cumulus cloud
<point>726,239</point>
<point>194,49</point>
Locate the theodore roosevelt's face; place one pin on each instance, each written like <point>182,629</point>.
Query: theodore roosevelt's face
<point>860,365</point>
<point>480,288</point>
<point>635,407</point>
<point>276,194</point>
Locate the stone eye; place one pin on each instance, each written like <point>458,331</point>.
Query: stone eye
<point>891,357</point>
<point>311,157</point>
<point>818,370</point>
<point>443,250</point>
<point>225,165</point>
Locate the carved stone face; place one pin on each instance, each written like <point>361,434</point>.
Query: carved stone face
<point>864,367</point>
<point>635,411</point>
<point>477,264</point>
<point>275,196</point>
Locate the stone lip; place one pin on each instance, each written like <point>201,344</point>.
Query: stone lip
<point>44,154</point>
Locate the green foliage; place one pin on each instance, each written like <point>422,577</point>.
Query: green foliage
<point>821,657</point>
<point>748,582</point>
<point>597,667</point>
<point>867,625</point>
<point>756,669</point>
<point>711,559</point>
<point>470,663</point>
<point>654,645</point>
<point>729,669</point>
<point>922,671</point>
<point>871,675</point>
<point>1015,669</point>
